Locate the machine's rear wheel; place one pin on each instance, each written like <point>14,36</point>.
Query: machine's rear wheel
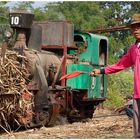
<point>48,117</point>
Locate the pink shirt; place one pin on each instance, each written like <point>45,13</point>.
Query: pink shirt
<point>131,58</point>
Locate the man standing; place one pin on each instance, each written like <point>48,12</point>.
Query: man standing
<point>131,58</point>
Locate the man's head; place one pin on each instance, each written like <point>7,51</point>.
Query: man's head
<point>135,26</point>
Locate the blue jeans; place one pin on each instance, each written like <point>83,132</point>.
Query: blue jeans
<point>129,112</point>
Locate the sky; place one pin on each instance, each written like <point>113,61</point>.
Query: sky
<point>36,4</point>
<point>43,2</point>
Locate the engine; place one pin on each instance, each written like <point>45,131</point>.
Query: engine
<point>41,54</point>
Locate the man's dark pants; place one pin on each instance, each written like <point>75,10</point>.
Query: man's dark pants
<point>136,118</point>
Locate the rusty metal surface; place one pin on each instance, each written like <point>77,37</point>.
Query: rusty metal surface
<point>111,29</point>
<point>57,33</point>
<point>48,61</point>
<point>54,114</point>
<point>35,39</point>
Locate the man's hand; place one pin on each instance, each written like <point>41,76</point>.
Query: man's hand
<point>120,109</point>
<point>95,72</point>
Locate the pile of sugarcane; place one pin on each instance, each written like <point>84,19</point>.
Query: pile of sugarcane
<point>13,82</point>
<point>13,74</point>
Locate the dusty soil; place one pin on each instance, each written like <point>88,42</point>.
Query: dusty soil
<point>97,127</point>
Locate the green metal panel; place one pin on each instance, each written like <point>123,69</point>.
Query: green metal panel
<point>86,82</point>
<point>94,90</point>
<point>82,81</point>
<point>105,85</point>
<point>92,52</point>
<point>96,86</point>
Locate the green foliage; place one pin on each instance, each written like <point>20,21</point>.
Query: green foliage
<point>4,20</point>
<point>40,15</point>
<point>119,86</point>
<point>84,15</point>
<point>128,41</point>
<point>114,46</point>
<point>4,11</point>
<point>134,8</point>
<point>24,5</point>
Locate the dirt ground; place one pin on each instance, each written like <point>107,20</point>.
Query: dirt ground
<point>97,127</point>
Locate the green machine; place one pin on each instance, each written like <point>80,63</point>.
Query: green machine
<point>92,53</point>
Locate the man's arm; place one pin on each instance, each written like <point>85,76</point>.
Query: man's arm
<point>120,109</point>
<point>123,63</point>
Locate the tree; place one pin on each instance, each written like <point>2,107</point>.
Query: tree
<point>24,5</point>
<point>84,15</point>
<point>4,10</point>
<point>4,20</point>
